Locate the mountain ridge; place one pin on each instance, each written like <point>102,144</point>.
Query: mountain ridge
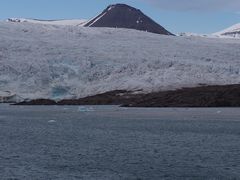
<point>233,31</point>
<point>125,16</point>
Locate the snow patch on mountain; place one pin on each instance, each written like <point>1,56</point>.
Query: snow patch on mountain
<point>96,19</point>
<point>49,61</point>
<point>111,7</point>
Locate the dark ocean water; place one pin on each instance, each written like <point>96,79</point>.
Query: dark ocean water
<point>108,142</point>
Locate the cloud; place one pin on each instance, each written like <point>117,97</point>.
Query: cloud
<point>196,5</point>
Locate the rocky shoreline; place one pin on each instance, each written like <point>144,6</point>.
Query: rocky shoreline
<point>204,96</point>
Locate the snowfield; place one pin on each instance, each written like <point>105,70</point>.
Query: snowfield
<point>67,22</point>
<point>51,61</point>
<point>231,32</point>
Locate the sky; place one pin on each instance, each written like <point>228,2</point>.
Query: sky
<point>198,16</point>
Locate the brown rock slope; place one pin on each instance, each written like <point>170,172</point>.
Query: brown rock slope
<point>204,96</point>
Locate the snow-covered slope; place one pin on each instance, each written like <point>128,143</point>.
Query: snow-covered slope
<point>233,31</point>
<point>68,61</point>
<point>69,22</point>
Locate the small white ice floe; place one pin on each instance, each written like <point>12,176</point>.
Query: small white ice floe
<point>52,121</point>
<point>85,109</point>
<point>218,112</point>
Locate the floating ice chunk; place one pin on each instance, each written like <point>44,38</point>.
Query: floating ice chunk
<point>51,121</point>
<point>218,112</point>
<point>85,109</point>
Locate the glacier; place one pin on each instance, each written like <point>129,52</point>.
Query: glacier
<point>57,62</point>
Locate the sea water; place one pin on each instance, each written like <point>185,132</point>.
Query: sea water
<point>110,142</point>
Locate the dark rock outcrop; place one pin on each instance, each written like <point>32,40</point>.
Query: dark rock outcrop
<point>124,16</point>
<point>109,98</point>
<point>38,102</point>
<point>204,96</point>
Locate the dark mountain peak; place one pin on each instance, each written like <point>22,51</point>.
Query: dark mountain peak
<point>125,16</point>
<point>124,6</point>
